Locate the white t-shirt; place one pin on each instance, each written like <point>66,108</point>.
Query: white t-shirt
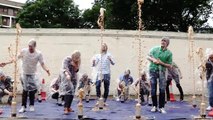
<point>30,61</point>
<point>105,67</point>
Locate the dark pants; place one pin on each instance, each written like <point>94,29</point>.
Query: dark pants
<point>55,95</point>
<point>106,80</point>
<point>31,96</point>
<point>68,100</point>
<point>154,76</point>
<point>142,93</point>
<point>168,93</point>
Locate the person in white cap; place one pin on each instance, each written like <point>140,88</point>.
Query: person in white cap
<point>160,58</point>
<point>30,57</point>
<point>6,87</point>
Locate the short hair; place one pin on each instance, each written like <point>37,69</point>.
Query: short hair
<point>127,71</point>
<point>32,42</point>
<point>166,39</point>
<point>76,55</point>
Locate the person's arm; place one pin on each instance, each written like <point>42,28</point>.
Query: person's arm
<point>8,92</point>
<point>164,64</point>
<point>169,62</point>
<point>180,74</point>
<point>3,88</point>
<point>41,61</point>
<point>20,55</point>
<point>151,58</point>
<point>45,68</point>
<point>130,80</point>
<point>111,59</point>
<point>95,61</point>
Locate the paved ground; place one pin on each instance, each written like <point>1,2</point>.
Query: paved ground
<point>115,111</point>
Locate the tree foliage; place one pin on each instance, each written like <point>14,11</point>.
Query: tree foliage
<point>49,14</point>
<point>166,15</point>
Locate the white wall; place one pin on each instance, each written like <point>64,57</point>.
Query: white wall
<point>58,43</point>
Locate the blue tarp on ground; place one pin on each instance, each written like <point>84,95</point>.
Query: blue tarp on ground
<point>116,111</point>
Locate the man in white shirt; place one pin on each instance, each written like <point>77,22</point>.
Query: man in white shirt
<point>30,58</point>
<point>102,62</point>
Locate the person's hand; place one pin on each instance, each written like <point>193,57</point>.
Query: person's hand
<point>48,72</point>
<point>109,58</point>
<point>10,94</point>
<point>68,77</point>
<point>93,63</point>
<point>2,64</point>
<point>155,61</point>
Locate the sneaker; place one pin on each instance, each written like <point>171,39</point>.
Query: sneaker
<point>105,104</point>
<point>23,109</point>
<point>154,109</point>
<point>162,110</point>
<point>117,99</point>
<point>209,108</point>
<point>32,109</point>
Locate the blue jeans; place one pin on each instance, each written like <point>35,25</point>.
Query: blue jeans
<point>106,80</point>
<point>154,76</point>
<point>210,91</point>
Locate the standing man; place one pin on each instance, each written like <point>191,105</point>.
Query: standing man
<point>103,61</point>
<point>30,57</point>
<point>174,73</point>
<point>160,58</point>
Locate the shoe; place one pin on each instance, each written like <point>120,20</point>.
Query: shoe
<point>32,109</point>
<point>70,110</point>
<point>23,109</point>
<point>66,112</point>
<point>181,97</point>
<point>162,110</point>
<point>118,99</point>
<point>209,108</point>
<point>154,109</point>
<point>105,104</point>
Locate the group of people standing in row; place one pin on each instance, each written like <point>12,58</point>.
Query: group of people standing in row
<point>161,70</point>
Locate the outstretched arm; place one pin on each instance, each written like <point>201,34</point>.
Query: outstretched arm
<point>45,68</point>
<point>41,61</point>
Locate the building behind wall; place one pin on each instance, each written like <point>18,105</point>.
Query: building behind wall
<point>8,13</point>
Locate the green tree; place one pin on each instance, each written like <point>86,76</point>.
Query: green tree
<point>166,15</point>
<point>49,14</point>
<point>90,16</point>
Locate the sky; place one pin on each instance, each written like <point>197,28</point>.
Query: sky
<point>84,4</point>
